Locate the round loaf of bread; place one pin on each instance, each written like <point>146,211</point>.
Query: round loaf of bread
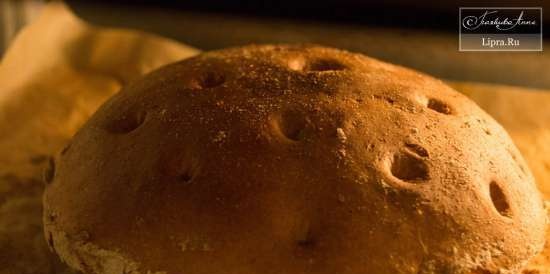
<point>293,159</point>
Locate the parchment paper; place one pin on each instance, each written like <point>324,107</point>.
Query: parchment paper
<point>55,74</point>
<point>59,70</point>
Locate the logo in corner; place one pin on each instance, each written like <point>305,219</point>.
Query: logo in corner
<point>500,29</point>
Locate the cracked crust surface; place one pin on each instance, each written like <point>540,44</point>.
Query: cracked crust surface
<point>292,159</point>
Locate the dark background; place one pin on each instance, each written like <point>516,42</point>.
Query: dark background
<point>419,14</point>
<point>420,34</point>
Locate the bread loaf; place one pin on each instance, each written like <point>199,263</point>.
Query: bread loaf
<point>291,159</point>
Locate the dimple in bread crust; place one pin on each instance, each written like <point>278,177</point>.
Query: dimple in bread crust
<point>292,159</point>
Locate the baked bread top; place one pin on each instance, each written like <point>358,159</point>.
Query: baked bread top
<point>291,159</point>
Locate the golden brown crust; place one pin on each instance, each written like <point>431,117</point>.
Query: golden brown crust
<point>292,159</point>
